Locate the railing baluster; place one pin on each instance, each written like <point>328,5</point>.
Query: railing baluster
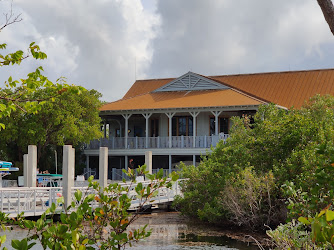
<point>2,201</point>
<point>35,190</point>
<point>19,201</point>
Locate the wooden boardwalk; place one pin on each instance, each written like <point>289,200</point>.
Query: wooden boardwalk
<point>34,201</point>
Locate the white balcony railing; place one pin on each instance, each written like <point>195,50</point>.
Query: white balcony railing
<point>157,142</point>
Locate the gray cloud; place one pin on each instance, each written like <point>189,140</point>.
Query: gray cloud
<point>92,43</point>
<point>240,36</point>
<point>97,43</point>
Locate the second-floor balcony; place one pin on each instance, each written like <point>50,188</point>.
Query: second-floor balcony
<point>157,142</point>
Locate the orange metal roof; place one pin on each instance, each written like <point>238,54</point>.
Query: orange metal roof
<point>145,86</point>
<point>183,99</point>
<point>286,89</point>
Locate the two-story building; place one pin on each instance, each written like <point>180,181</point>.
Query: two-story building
<point>181,119</point>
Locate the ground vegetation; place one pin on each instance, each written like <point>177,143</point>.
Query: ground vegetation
<point>277,169</point>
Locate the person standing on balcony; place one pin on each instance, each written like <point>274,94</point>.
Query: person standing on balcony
<point>131,164</point>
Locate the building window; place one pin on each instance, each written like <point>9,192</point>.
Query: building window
<point>182,125</point>
<point>222,125</point>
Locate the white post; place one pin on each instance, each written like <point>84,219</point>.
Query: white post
<point>194,115</point>
<point>56,163</point>
<point>147,116</point>
<point>170,163</point>
<point>87,166</point>
<point>216,114</point>
<point>148,161</point>
<point>103,167</point>
<point>68,173</point>
<point>25,170</point>
<point>126,117</point>
<point>126,164</point>
<point>194,160</point>
<point>105,129</point>
<point>32,165</point>
<point>170,116</point>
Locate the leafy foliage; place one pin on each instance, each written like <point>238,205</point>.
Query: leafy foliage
<point>250,200</point>
<point>296,146</point>
<point>105,226</point>
<point>20,94</point>
<point>70,119</point>
<point>322,227</point>
<point>292,235</point>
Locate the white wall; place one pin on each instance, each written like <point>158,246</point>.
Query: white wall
<point>163,125</point>
<point>203,123</point>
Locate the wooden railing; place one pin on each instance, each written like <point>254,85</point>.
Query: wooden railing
<point>157,142</point>
<point>34,201</point>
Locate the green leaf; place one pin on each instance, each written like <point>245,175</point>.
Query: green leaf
<point>329,215</point>
<point>2,107</point>
<point>29,224</point>
<point>75,237</point>
<point>304,220</point>
<point>78,195</point>
<point>160,173</point>
<point>16,244</point>
<point>62,229</point>
<point>3,238</point>
<point>175,176</point>
<point>322,212</point>
<point>53,207</point>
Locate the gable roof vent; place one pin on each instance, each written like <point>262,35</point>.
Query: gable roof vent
<point>191,81</point>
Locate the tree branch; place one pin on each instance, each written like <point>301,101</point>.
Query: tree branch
<point>11,18</point>
<point>328,11</point>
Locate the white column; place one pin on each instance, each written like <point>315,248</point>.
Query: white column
<point>216,114</point>
<point>105,129</point>
<point>25,170</point>
<point>170,116</point>
<point>194,115</point>
<point>147,116</point>
<point>126,164</point>
<point>194,160</point>
<point>87,166</point>
<point>126,117</point>
<point>68,173</point>
<point>148,161</point>
<point>32,165</point>
<point>103,167</point>
<point>170,163</point>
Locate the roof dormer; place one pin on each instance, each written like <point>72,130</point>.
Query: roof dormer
<point>191,81</point>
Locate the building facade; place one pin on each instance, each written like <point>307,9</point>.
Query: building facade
<point>181,119</point>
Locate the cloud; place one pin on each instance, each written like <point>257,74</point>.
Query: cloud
<point>107,44</point>
<point>228,36</point>
<point>92,43</point>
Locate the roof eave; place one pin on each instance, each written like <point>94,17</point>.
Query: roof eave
<point>164,110</point>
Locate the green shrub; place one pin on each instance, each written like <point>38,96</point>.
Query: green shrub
<point>297,146</point>
<point>322,227</point>
<point>293,235</point>
<point>250,200</point>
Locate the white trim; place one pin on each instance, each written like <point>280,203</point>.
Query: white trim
<point>178,110</point>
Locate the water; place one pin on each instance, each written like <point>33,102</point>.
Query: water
<point>170,231</point>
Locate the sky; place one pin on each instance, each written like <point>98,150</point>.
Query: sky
<point>107,44</point>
